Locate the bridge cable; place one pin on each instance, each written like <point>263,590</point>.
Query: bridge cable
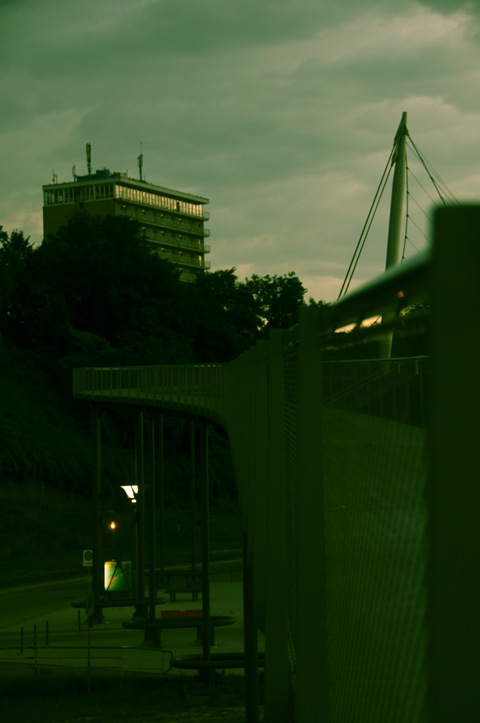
<point>366,227</point>
<point>445,194</point>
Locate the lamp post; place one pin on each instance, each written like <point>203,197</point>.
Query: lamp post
<point>132,491</point>
<point>143,496</point>
<point>140,513</point>
<point>97,566</point>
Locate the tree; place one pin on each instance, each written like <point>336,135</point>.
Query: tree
<point>219,316</point>
<point>15,251</point>
<point>97,288</point>
<point>277,300</point>
<point>96,275</point>
<point>108,274</point>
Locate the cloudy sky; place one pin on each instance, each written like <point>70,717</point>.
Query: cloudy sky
<point>281,112</point>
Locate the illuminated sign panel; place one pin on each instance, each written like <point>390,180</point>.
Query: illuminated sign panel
<point>117,576</point>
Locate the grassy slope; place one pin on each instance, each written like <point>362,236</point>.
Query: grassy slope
<point>45,474</point>
<point>40,439</point>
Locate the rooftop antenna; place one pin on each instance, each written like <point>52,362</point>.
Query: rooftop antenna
<point>54,177</point>
<point>89,159</point>
<point>140,164</point>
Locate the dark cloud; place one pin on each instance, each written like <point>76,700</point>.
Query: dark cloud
<point>282,112</point>
<point>204,28</point>
<point>452,6</point>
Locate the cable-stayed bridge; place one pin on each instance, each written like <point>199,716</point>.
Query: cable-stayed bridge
<point>358,484</point>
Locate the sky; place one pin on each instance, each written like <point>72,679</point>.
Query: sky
<point>282,112</point>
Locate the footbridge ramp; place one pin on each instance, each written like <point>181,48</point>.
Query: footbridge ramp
<point>357,480</point>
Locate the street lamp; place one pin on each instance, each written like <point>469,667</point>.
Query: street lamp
<point>131,491</point>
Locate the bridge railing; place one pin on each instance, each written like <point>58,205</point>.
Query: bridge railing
<point>347,470</point>
<point>188,389</point>
<point>358,486</point>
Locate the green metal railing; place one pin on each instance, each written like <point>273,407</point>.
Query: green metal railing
<point>194,390</point>
<point>357,482</point>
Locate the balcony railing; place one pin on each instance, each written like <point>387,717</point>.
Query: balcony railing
<point>177,243</point>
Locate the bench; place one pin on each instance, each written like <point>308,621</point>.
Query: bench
<point>222,661</point>
<point>118,602</point>
<point>171,619</point>
<point>177,588</point>
<point>167,577</point>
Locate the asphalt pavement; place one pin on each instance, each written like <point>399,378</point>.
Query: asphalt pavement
<point>41,633</point>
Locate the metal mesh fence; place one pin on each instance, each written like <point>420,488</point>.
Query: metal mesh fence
<point>374,472</point>
<point>366,459</point>
<point>380,598</point>
<point>291,484</point>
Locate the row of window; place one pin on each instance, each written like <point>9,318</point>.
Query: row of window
<point>156,199</point>
<point>179,241</point>
<point>167,221</point>
<point>102,191</point>
<point>184,259</point>
<point>95,192</point>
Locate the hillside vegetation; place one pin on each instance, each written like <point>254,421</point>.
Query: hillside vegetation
<point>95,294</point>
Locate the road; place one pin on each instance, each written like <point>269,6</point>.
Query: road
<point>27,605</point>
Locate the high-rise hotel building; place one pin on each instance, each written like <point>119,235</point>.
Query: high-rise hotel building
<point>173,221</point>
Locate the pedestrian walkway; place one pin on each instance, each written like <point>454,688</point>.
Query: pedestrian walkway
<point>61,640</point>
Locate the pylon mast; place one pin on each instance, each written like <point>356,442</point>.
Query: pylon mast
<point>395,225</point>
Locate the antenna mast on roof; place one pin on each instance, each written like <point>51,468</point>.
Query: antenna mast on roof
<point>89,159</point>
<point>140,166</point>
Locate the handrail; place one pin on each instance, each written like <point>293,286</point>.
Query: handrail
<point>393,290</point>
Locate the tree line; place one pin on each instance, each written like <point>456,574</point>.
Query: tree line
<point>97,294</point>
<point>98,286</point>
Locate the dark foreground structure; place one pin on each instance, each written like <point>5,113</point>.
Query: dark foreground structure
<point>358,482</point>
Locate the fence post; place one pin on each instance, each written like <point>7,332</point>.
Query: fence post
<point>204,474</point>
<point>277,693</point>
<point>141,607</point>
<point>259,479</point>
<point>152,519</point>
<point>453,488</point>
<point>97,580</point>
<point>255,570</point>
<point>312,697</point>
